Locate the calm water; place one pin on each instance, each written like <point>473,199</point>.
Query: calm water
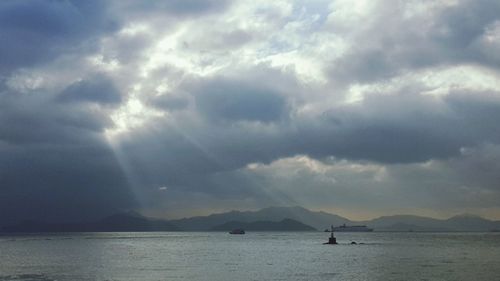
<point>254,256</point>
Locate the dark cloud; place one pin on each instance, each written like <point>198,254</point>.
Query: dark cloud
<point>34,118</point>
<point>405,127</point>
<point>34,32</point>
<point>387,129</point>
<point>55,163</point>
<point>61,182</point>
<point>397,128</point>
<point>169,102</point>
<point>97,89</point>
<point>238,101</point>
<point>458,27</point>
<point>180,7</point>
<point>480,168</point>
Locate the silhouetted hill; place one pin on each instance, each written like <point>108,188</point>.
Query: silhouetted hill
<point>283,225</point>
<point>323,220</point>
<point>417,223</point>
<point>127,222</point>
<point>116,223</point>
<point>318,220</point>
<point>467,222</point>
<point>406,223</point>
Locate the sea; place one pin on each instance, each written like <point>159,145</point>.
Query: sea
<point>254,256</point>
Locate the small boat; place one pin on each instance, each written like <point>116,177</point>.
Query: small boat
<point>237,231</point>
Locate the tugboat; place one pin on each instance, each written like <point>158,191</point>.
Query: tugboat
<point>237,231</point>
<point>331,240</point>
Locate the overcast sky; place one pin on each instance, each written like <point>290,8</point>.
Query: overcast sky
<point>184,107</point>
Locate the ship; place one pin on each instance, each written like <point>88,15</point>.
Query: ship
<point>351,228</point>
<point>237,231</point>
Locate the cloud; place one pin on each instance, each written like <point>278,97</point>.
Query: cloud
<point>177,7</point>
<point>402,38</point>
<point>237,101</point>
<point>34,32</point>
<point>71,182</point>
<point>360,106</point>
<point>169,102</point>
<point>362,187</point>
<point>55,165</point>
<point>97,89</point>
<point>407,126</point>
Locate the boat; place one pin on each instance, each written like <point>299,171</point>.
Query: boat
<point>351,228</point>
<point>237,231</point>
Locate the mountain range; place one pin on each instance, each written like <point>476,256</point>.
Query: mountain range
<point>123,222</point>
<point>283,225</point>
<point>267,219</point>
<point>318,220</point>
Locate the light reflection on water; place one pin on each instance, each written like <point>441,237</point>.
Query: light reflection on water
<point>253,256</point>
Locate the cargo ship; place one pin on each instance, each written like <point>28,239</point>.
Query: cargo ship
<point>351,228</point>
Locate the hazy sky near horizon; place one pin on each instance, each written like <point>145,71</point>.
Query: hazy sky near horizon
<point>184,107</point>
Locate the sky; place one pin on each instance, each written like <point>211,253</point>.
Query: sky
<point>188,107</point>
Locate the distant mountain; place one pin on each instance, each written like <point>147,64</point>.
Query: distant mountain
<point>467,222</point>
<point>283,225</point>
<point>273,216</point>
<point>116,223</point>
<point>133,222</point>
<point>406,223</point>
<point>318,220</point>
<point>417,223</point>
<point>322,220</point>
